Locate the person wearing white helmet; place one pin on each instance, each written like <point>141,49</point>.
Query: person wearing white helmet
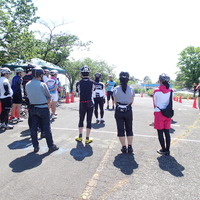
<point>52,84</point>
<point>99,98</point>
<point>85,88</point>
<point>161,99</point>
<point>17,94</point>
<point>5,98</point>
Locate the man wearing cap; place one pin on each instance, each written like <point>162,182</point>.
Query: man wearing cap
<point>17,94</point>
<point>6,93</point>
<point>110,87</point>
<point>39,98</point>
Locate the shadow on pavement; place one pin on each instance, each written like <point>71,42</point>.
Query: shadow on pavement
<point>25,133</point>
<point>173,122</point>
<point>80,152</point>
<point>171,130</point>
<point>126,163</point>
<point>170,164</point>
<point>20,144</point>
<point>97,126</point>
<point>27,162</point>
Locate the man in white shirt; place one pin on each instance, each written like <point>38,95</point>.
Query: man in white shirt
<point>5,98</point>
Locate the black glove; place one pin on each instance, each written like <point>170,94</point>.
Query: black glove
<point>6,93</point>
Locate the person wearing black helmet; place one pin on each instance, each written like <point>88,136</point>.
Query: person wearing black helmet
<point>85,88</point>
<point>123,99</point>
<point>39,98</point>
<point>6,93</point>
<point>28,76</point>
<point>161,98</point>
<point>99,98</point>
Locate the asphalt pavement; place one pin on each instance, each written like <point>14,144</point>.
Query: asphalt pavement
<point>99,171</point>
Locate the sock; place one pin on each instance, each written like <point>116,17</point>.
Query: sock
<point>87,138</point>
<point>80,135</point>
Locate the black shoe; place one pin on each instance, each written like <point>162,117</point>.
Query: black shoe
<point>36,149</point>
<point>124,149</point>
<point>161,151</point>
<point>167,153</point>
<point>53,148</point>
<point>97,121</point>
<point>102,121</point>
<point>107,107</point>
<point>130,149</point>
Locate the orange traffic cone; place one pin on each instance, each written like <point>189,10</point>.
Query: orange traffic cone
<point>195,103</point>
<point>180,99</point>
<point>72,97</point>
<point>67,98</point>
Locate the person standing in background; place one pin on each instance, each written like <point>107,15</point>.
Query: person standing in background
<point>52,84</point>
<point>99,98</point>
<point>197,88</point>
<point>17,94</point>
<point>5,98</point>
<point>110,86</point>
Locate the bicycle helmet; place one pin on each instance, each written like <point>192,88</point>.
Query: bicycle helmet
<point>18,70</point>
<point>37,72</point>
<point>124,75</point>
<point>164,78</point>
<point>5,70</point>
<point>46,71</point>
<point>97,75</point>
<point>29,68</point>
<point>85,70</point>
<point>53,72</point>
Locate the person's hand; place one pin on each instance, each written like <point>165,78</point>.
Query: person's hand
<point>6,93</point>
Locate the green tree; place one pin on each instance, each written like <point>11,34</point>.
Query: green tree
<point>15,18</point>
<point>189,65</point>
<point>56,47</point>
<point>147,80</point>
<point>73,70</point>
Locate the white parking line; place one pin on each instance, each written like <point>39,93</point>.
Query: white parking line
<point>113,132</point>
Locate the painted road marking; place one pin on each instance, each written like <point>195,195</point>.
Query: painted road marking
<point>136,135</point>
<point>87,193</point>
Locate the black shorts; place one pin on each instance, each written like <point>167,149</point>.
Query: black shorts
<point>110,95</point>
<point>17,98</point>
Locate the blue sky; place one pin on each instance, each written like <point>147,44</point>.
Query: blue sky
<point>140,36</point>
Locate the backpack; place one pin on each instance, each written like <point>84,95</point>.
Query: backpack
<point>168,111</point>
